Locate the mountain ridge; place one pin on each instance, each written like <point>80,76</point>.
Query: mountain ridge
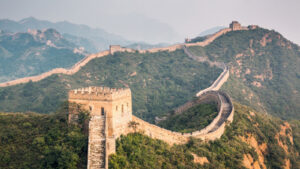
<point>100,38</point>
<point>34,52</point>
<point>81,63</point>
<point>226,46</point>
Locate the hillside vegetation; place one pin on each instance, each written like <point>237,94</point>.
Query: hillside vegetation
<point>33,53</point>
<point>252,140</point>
<point>42,141</point>
<point>46,141</point>
<point>193,119</point>
<point>265,70</point>
<point>159,83</point>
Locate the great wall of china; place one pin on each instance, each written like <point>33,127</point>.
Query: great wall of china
<point>111,114</point>
<point>117,48</point>
<point>214,130</point>
<point>111,109</point>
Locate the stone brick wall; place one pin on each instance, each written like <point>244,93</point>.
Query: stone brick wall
<point>71,71</point>
<point>112,50</point>
<point>213,131</point>
<point>118,48</point>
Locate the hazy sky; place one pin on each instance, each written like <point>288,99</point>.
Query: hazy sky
<point>187,17</point>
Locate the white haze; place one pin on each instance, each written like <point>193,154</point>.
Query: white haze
<point>161,20</point>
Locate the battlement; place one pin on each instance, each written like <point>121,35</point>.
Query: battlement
<point>99,93</point>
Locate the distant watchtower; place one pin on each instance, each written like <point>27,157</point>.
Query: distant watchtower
<point>114,48</point>
<point>110,111</point>
<point>235,25</point>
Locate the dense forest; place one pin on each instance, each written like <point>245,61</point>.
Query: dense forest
<point>30,140</point>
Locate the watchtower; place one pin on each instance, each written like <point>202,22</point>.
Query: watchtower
<point>110,111</point>
<point>235,25</point>
<point>114,48</point>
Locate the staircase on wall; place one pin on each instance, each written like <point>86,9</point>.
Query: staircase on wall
<point>96,149</point>
<point>226,110</point>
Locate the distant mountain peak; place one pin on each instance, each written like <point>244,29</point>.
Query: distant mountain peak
<point>93,39</point>
<point>26,20</point>
<point>45,34</point>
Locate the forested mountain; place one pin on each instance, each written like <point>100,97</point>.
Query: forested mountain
<point>159,82</point>
<point>98,38</point>
<point>34,52</point>
<point>264,81</point>
<point>253,140</point>
<point>265,69</point>
<point>30,140</point>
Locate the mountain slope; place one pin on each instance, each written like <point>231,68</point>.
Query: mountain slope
<point>159,82</point>
<point>31,140</point>
<point>265,69</point>
<point>35,52</point>
<point>253,140</point>
<point>99,37</point>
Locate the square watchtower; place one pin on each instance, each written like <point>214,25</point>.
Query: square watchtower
<point>113,104</point>
<point>235,25</point>
<point>110,112</point>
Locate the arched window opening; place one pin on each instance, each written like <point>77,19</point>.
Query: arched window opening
<point>122,108</point>
<point>90,108</point>
<point>116,108</point>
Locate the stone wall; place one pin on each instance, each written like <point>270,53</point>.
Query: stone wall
<point>213,131</point>
<point>71,71</point>
<point>118,48</point>
<point>217,83</point>
<point>105,128</point>
<point>113,49</point>
<point>210,39</point>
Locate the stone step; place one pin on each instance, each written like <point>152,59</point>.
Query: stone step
<point>96,154</point>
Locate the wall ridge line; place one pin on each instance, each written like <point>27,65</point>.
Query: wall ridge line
<point>114,48</point>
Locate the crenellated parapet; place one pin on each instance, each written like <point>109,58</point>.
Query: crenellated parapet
<point>99,93</point>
